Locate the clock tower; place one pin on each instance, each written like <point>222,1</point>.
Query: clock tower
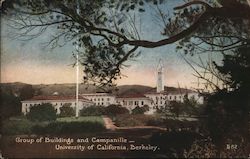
<point>160,81</point>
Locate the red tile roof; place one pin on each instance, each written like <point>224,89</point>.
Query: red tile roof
<point>132,96</point>
<point>55,97</point>
<point>164,93</point>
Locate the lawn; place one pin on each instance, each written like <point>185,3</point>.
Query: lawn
<point>21,125</point>
<point>81,119</point>
<point>155,120</point>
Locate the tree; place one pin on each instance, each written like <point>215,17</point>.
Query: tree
<point>228,109</point>
<point>43,112</point>
<point>190,106</point>
<point>114,110</point>
<point>27,92</point>
<point>93,111</point>
<point>176,108</point>
<point>138,110</point>
<point>10,105</point>
<point>106,42</point>
<point>66,110</point>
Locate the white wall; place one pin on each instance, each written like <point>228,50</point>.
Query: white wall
<point>131,103</point>
<point>57,104</point>
<point>102,99</point>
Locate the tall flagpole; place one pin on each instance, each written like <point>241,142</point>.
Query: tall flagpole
<point>77,69</point>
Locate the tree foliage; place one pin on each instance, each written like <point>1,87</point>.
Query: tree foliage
<point>66,110</point>
<point>228,109</point>
<point>93,111</point>
<point>190,105</point>
<point>43,112</point>
<point>10,105</point>
<point>114,110</point>
<point>176,108</point>
<point>26,92</point>
<point>138,110</point>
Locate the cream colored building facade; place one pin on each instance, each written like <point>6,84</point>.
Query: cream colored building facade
<point>100,99</point>
<point>56,101</point>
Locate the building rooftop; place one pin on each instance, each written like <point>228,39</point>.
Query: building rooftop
<point>97,94</point>
<point>55,97</point>
<point>132,96</point>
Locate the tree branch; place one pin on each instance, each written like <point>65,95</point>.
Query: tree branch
<point>193,3</point>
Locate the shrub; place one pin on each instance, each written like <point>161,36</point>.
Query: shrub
<point>176,108</point>
<point>138,110</point>
<point>66,110</point>
<point>93,111</point>
<point>16,127</point>
<point>69,127</point>
<point>114,110</point>
<point>177,142</point>
<point>43,112</point>
<point>133,120</point>
<point>146,108</point>
<point>10,105</point>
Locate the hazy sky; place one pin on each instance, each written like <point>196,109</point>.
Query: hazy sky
<point>30,62</point>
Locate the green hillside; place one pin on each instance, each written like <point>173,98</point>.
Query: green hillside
<point>70,88</point>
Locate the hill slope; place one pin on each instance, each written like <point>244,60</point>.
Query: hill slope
<point>69,89</point>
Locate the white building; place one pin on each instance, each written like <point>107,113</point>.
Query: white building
<point>56,101</point>
<point>159,99</point>
<point>101,99</point>
<point>133,100</point>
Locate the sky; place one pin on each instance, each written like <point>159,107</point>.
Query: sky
<point>31,62</point>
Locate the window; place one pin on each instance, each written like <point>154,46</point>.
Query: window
<point>102,103</point>
<point>98,99</point>
<point>102,99</point>
<point>142,103</point>
<point>174,97</point>
<point>107,99</point>
<point>170,97</point>
<point>136,102</point>
<point>130,103</point>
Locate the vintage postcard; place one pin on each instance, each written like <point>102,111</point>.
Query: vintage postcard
<point>125,79</point>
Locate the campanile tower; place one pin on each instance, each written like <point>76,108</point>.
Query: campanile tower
<point>160,81</point>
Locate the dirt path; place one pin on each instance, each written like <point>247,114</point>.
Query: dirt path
<point>109,124</point>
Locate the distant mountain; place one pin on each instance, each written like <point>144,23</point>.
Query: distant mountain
<point>132,89</point>
<point>12,87</point>
<point>69,89</point>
